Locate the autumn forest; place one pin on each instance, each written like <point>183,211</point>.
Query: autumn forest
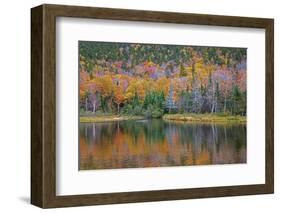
<point>151,80</point>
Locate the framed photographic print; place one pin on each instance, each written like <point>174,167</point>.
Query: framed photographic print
<point>136,106</point>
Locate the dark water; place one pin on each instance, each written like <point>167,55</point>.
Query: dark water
<point>154,143</point>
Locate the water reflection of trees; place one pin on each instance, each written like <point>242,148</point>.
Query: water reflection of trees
<point>157,143</point>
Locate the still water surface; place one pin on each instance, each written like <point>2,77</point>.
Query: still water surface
<point>154,143</point>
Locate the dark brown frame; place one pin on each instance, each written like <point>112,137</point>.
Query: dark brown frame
<point>43,105</point>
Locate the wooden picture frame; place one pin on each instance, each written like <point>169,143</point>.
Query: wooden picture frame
<point>43,105</point>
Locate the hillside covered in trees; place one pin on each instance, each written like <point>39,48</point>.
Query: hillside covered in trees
<point>152,79</point>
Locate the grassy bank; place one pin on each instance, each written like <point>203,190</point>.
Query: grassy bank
<point>205,118</point>
<point>105,118</point>
<point>189,117</point>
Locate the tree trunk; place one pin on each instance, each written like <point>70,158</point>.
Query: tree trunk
<point>94,107</point>
<point>216,104</point>
<point>193,73</point>
<point>213,98</point>
<point>224,107</point>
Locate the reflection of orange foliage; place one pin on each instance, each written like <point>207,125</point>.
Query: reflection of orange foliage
<point>127,150</point>
<point>84,149</point>
<point>124,146</point>
<point>203,158</point>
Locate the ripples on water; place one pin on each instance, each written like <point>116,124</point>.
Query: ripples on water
<point>155,143</point>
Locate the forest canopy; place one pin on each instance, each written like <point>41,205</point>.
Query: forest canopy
<point>153,79</point>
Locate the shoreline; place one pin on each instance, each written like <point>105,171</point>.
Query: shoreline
<point>186,118</point>
<point>108,118</point>
<point>205,118</point>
